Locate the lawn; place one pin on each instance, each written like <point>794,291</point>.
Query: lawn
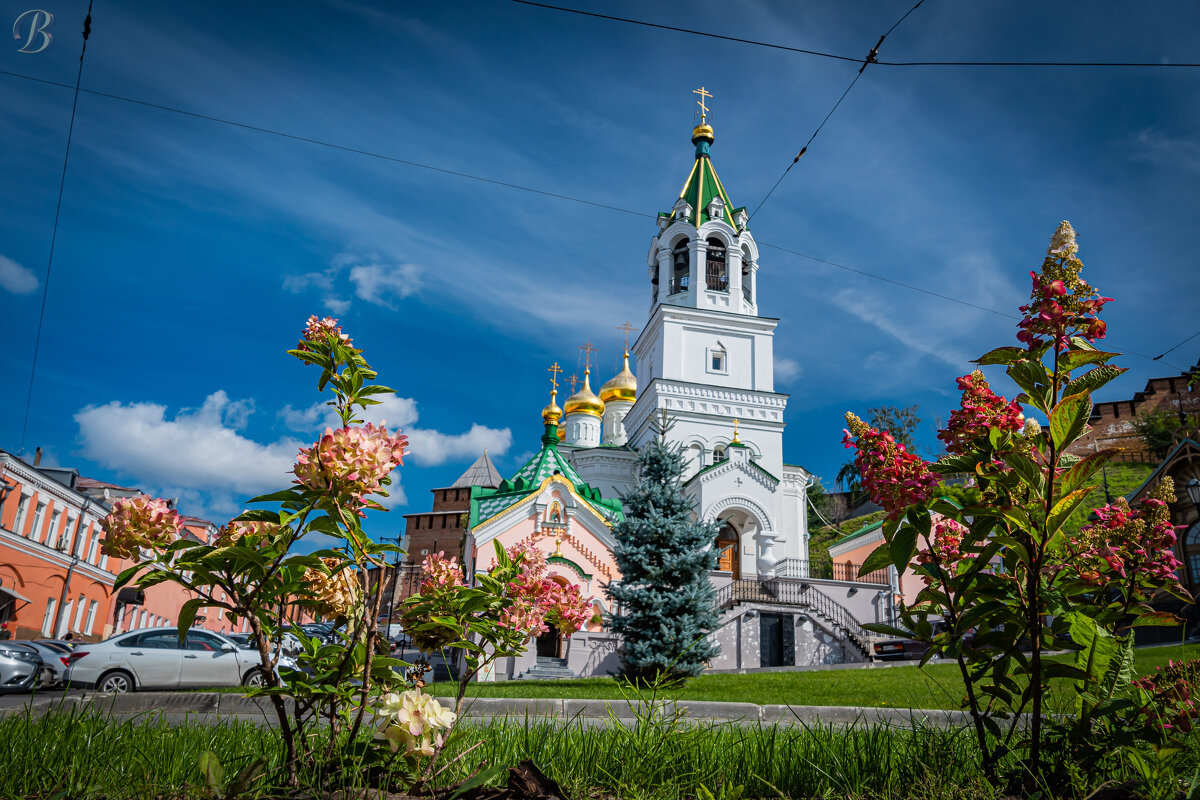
<point>904,686</point>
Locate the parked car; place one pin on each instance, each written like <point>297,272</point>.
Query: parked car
<point>154,658</point>
<point>58,644</point>
<point>896,649</point>
<point>21,667</point>
<point>55,661</point>
<point>291,645</point>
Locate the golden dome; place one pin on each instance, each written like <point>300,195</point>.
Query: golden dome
<point>623,386</point>
<point>702,131</point>
<point>551,414</point>
<point>585,401</point>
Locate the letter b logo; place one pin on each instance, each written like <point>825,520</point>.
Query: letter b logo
<point>38,38</point>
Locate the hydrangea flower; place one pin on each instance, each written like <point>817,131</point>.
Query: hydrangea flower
<point>1138,545</point>
<point>321,331</point>
<point>233,532</point>
<point>945,549</point>
<point>1062,304</point>
<point>980,410</point>
<point>415,721</point>
<point>439,572</point>
<point>335,591</point>
<point>895,478</point>
<point>1169,696</point>
<point>137,522</point>
<point>350,462</point>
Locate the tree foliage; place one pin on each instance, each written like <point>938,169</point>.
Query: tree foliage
<point>664,600</point>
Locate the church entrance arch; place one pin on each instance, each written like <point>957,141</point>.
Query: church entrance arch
<point>549,644</point>
<point>728,549</point>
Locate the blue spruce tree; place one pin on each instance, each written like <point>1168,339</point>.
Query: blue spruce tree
<point>664,598</point>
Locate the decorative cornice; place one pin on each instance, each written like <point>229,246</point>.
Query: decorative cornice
<point>744,503</point>
<point>47,485</point>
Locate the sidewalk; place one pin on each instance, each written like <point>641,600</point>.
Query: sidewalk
<point>216,707</point>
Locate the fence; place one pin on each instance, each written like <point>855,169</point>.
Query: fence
<point>798,568</point>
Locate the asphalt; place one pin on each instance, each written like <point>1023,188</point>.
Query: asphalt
<point>218,707</point>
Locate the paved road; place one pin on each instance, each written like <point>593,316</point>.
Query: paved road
<point>214,707</point>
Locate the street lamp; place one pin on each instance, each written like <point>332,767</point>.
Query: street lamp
<point>1193,490</point>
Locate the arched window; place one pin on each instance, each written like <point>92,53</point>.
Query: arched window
<point>720,454</point>
<point>747,268</point>
<point>716,275</point>
<point>680,267</point>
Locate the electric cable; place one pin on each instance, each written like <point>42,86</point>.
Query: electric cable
<point>62,181</point>
<point>872,58</point>
<point>821,54</point>
<point>509,185</point>
<point>1185,341</point>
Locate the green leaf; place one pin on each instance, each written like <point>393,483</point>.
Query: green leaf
<point>1033,379</point>
<point>282,496</point>
<point>1068,419</point>
<point>1064,508</point>
<point>1002,355</point>
<point>187,615</point>
<point>950,465</point>
<point>1029,472</point>
<point>1079,474</point>
<point>1156,618</point>
<point>903,546</point>
<point>213,772</point>
<point>880,558</point>
<point>1074,359</point>
<point>1092,380</point>
<point>887,630</point>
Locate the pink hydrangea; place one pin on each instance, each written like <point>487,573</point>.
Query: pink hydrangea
<point>1169,692</point>
<point>981,409</point>
<point>1135,545</point>
<point>946,548</point>
<point>536,598</point>
<point>138,522</point>
<point>895,478</point>
<point>350,462</point>
<point>1062,304</point>
<point>439,572</point>
<point>233,532</point>
<point>321,332</point>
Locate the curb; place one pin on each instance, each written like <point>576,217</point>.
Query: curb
<point>216,706</point>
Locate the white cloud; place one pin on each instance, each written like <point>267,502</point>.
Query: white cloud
<point>1165,151</point>
<point>427,447</point>
<point>875,312</point>
<point>383,284</point>
<point>15,278</point>
<point>787,369</point>
<point>198,455</point>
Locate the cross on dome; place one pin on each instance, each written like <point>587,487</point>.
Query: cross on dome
<point>704,95</point>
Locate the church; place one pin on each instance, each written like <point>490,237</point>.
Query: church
<point>704,357</point>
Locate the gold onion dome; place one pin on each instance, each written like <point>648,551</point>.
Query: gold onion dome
<point>551,414</point>
<point>585,401</point>
<point>702,131</point>
<point>623,386</point>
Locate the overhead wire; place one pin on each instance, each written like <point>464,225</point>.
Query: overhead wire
<point>1169,349</point>
<point>501,183</point>
<point>872,58</point>
<point>62,182</point>
<point>840,57</point>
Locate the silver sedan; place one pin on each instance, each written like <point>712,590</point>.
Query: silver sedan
<point>154,658</point>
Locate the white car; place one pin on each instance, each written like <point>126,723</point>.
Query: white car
<point>153,658</point>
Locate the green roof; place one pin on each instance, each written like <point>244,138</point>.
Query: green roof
<point>547,462</point>
<point>711,467</point>
<point>703,185</point>
<point>863,531</point>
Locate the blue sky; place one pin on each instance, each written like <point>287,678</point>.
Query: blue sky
<point>189,252</point>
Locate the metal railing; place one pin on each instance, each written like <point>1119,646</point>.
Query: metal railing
<point>798,568</point>
<point>746,291</point>
<point>716,276</point>
<point>798,594</point>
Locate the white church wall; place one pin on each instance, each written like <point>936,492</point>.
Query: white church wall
<point>593,654</point>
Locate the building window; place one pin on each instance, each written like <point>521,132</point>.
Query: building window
<point>716,275</point>
<point>78,613</point>
<point>718,360</point>
<point>720,454</point>
<point>48,618</point>
<point>39,517</point>
<point>66,619</point>
<point>52,534</point>
<point>22,514</point>
<point>91,618</point>
<point>680,268</point>
<point>93,543</point>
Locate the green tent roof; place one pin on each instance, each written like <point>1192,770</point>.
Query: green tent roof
<point>702,184</point>
<point>487,503</point>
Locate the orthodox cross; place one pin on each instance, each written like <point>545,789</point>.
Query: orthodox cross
<point>628,330</point>
<point>704,95</point>
<point>574,381</point>
<point>587,349</point>
<point>554,370</point>
<point>736,440</point>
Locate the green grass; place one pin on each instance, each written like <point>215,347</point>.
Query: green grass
<point>908,686</point>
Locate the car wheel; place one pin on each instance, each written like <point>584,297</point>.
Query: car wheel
<point>254,679</point>
<point>116,682</point>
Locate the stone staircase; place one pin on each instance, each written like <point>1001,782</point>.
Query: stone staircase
<point>802,595</point>
<point>547,668</point>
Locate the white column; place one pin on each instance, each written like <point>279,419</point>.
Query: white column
<point>697,284</point>
<point>733,263</point>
